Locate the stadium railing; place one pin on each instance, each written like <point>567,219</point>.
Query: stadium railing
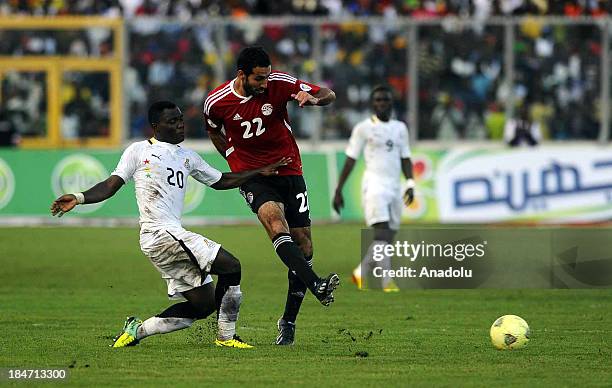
<point>54,69</point>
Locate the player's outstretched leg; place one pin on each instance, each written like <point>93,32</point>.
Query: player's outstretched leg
<point>296,289</point>
<point>228,298</point>
<point>179,316</point>
<point>292,256</point>
<point>272,217</point>
<point>295,295</point>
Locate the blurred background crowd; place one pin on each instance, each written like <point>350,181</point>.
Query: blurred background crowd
<point>461,89</point>
<point>241,8</point>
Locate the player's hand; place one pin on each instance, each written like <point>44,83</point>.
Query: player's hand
<point>304,97</point>
<point>63,204</point>
<point>408,196</point>
<point>338,203</point>
<point>272,169</point>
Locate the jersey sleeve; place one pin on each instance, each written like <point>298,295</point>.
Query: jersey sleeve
<point>204,172</point>
<point>213,122</point>
<point>289,85</point>
<point>127,164</point>
<point>404,142</point>
<point>356,142</point>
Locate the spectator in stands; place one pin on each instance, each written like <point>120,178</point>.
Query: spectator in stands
<point>240,8</point>
<point>447,119</point>
<point>522,131</point>
<point>9,137</point>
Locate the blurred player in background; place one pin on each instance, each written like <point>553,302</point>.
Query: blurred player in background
<point>247,121</point>
<point>160,168</point>
<point>384,142</point>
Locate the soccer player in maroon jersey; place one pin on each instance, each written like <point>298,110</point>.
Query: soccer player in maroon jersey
<point>246,119</point>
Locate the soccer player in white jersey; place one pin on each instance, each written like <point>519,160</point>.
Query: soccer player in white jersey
<point>160,168</point>
<point>384,142</point>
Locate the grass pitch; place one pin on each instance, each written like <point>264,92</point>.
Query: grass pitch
<point>64,292</point>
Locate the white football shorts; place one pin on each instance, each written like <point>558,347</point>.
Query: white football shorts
<point>382,206</point>
<point>180,256</point>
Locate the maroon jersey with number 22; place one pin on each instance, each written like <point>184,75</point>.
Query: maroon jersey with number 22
<point>257,128</point>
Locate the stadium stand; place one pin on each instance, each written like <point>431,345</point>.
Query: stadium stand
<point>462,93</point>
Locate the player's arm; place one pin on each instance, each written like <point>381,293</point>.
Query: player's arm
<point>213,127</point>
<point>409,190</point>
<point>338,203</point>
<point>219,140</point>
<point>353,150</point>
<point>98,193</point>
<point>325,96</point>
<point>406,163</point>
<point>231,180</point>
<point>322,97</point>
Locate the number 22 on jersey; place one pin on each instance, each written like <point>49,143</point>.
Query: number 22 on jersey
<point>247,128</point>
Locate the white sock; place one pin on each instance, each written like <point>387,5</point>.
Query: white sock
<point>369,263</point>
<point>228,312</point>
<point>156,325</point>
<point>385,264</point>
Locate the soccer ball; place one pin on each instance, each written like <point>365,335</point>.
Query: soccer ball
<point>509,332</point>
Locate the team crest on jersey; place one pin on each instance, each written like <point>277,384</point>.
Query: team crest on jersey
<point>305,87</point>
<point>249,197</point>
<point>266,109</point>
<point>187,164</point>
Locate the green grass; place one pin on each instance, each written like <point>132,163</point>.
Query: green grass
<point>65,291</point>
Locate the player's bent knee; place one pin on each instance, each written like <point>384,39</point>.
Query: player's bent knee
<point>275,227</point>
<point>236,267</point>
<point>225,263</point>
<point>272,217</point>
<point>278,226</point>
<point>230,279</point>
<point>232,265</point>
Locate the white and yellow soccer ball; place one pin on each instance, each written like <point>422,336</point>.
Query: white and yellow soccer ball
<point>509,332</point>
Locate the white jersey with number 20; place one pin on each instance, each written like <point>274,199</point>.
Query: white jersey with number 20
<point>160,171</point>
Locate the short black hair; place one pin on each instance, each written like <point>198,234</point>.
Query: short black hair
<point>252,57</point>
<point>380,88</point>
<point>156,109</point>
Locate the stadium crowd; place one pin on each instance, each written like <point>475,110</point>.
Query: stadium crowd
<point>461,90</point>
<point>241,8</point>
<point>461,93</point>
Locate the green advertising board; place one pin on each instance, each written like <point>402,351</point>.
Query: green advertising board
<point>554,184</point>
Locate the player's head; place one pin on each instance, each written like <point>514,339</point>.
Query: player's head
<point>253,68</point>
<point>167,122</point>
<point>381,99</point>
